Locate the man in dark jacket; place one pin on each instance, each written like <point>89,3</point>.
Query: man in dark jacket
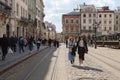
<point>4,46</point>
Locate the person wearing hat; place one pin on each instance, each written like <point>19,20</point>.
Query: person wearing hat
<point>72,49</point>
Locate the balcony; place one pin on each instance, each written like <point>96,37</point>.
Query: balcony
<point>4,8</point>
<point>24,20</point>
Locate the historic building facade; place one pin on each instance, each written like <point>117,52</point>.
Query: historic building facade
<point>106,19</point>
<point>92,21</point>
<point>88,17</point>
<point>50,30</point>
<point>19,18</point>
<point>40,18</point>
<point>117,20</point>
<point>22,18</point>
<point>5,13</point>
<point>71,24</point>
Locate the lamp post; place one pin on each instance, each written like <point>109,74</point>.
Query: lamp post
<point>95,26</point>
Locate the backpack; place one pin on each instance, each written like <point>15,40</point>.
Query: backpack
<point>22,41</point>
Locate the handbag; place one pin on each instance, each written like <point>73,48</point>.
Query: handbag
<point>10,51</point>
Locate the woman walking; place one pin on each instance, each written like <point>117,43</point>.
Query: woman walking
<point>82,49</point>
<point>72,50</point>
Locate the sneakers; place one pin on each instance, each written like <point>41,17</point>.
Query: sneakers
<point>82,65</point>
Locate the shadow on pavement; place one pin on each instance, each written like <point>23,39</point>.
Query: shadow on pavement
<point>87,68</point>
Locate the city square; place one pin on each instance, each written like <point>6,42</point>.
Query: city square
<point>59,40</point>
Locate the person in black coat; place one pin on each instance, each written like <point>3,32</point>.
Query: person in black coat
<point>4,46</point>
<point>82,49</point>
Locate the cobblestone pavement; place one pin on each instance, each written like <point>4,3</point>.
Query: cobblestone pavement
<point>91,70</point>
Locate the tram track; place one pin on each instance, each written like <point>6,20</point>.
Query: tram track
<point>105,59</point>
<point>40,62</point>
<point>108,63</point>
<point>53,74</point>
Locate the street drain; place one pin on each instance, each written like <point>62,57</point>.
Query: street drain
<point>89,78</point>
<point>86,78</point>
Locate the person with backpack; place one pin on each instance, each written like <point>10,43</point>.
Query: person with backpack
<point>21,44</point>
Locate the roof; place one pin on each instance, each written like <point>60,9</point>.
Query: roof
<point>73,13</point>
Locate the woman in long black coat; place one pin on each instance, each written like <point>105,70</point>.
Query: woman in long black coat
<point>82,49</point>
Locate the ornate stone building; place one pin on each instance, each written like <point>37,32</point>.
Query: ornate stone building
<point>117,20</point>
<point>92,21</point>
<point>5,13</point>
<point>106,19</point>
<point>71,24</point>
<point>39,17</point>
<point>88,17</point>
<point>50,30</point>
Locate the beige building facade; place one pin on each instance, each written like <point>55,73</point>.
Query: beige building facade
<point>5,13</point>
<point>19,18</point>
<point>88,17</point>
<point>50,30</point>
<point>106,19</point>
<point>117,20</point>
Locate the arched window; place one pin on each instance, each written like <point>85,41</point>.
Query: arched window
<point>84,15</point>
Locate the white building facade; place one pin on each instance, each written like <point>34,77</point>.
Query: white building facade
<point>88,17</point>
<point>106,19</point>
<point>19,17</point>
<point>40,18</point>
<point>117,20</point>
<point>5,13</point>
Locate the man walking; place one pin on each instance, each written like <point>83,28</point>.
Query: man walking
<point>4,46</point>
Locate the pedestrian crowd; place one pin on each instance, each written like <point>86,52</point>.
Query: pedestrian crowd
<point>79,46</point>
<point>21,44</point>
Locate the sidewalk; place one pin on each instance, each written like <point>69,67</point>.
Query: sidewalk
<point>15,58</point>
<point>93,69</point>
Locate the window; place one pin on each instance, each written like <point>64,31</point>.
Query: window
<point>105,22</point>
<point>105,15</point>
<point>84,20</point>
<point>84,28</point>
<point>21,11</point>
<point>110,28</point>
<point>71,28</point>
<point>99,15</point>
<point>110,15</point>
<point>94,15</point>
<point>89,20</point>
<point>84,15</point>
<point>66,21</point>
<point>105,29</point>
<point>116,22</point>
<point>110,22</point>
<point>89,27</point>
<point>17,9</point>
<point>89,15</point>
<point>77,21</point>
<point>100,22</point>
<point>71,21</point>
<point>116,16</point>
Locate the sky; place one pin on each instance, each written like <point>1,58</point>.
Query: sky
<point>54,9</point>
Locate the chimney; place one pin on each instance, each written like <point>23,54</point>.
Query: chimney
<point>105,8</point>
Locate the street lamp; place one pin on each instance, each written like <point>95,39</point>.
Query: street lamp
<point>95,26</point>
